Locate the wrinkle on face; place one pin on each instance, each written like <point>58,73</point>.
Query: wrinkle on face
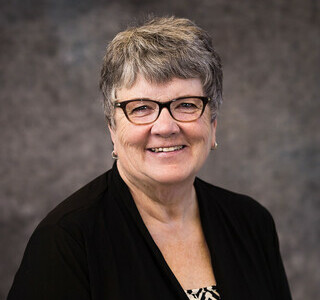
<point>131,141</point>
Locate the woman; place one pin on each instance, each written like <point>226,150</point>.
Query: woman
<point>148,228</point>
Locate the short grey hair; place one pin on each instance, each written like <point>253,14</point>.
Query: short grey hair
<point>160,50</point>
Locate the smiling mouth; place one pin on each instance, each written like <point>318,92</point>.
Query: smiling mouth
<point>166,149</point>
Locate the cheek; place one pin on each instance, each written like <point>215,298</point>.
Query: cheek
<point>123,137</point>
<point>120,131</point>
<point>131,137</point>
<point>203,131</point>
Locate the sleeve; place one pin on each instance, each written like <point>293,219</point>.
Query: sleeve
<point>54,267</point>
<point>279,278</point>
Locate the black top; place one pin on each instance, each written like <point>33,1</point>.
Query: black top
<point>94,245</point>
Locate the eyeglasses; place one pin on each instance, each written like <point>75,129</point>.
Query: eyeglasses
<point>145,111</point>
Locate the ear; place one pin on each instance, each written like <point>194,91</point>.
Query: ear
<point>113,136</point>
<point>214,127</point>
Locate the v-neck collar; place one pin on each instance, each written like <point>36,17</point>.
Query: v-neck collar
<point>123,196</point>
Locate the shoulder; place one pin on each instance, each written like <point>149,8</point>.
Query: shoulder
<point>78,211</point>
<point>239,208</point>
<point>63,235</point>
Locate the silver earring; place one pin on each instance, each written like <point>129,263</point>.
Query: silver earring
<point>114,155</point>
<point>215,146</point>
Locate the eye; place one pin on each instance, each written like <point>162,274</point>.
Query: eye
<point>187,105</point>
<point>140,109</point>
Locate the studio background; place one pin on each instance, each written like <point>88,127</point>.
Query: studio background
<point>54,138</point>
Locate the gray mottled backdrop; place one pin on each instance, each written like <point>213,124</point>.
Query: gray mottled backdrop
<point>54,139</point>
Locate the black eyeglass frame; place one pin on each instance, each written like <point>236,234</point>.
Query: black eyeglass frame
<point>161,105</point>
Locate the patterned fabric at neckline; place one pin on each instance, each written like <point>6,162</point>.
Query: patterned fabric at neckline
<point>206,293</point>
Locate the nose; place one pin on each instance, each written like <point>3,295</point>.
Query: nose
<point>165,125</point>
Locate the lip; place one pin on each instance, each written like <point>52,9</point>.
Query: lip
<point>166,148</point>
<point>166,154</point>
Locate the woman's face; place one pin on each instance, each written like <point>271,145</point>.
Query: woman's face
<point>133,143</point>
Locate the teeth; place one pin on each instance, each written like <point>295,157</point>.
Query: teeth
<point>168,149</point>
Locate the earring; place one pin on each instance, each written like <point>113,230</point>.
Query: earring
<point>215,146</point>
<point>114,155</point>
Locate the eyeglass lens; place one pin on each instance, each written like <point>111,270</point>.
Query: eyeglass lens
<point>146,111</point>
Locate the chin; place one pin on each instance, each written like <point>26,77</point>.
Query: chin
<point>173,176</point>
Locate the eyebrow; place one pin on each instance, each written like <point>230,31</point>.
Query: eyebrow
<point>145,98</point>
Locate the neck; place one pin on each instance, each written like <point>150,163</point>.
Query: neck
<point>164,204</point>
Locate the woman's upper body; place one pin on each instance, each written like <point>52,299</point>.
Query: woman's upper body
<point>162,128</point>
<point>161,182</point>
<point>95,245</point>
<point>162,86</point>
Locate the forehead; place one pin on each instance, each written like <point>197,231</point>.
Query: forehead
<point>161,91</point>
